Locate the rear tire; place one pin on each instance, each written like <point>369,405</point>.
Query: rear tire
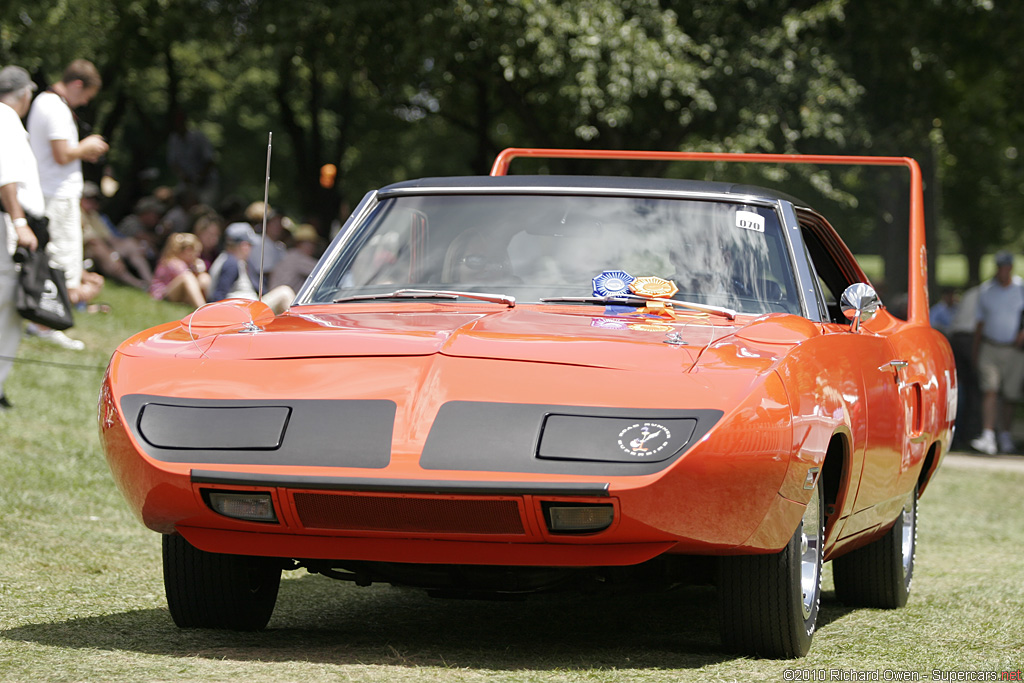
<point>211,590</point>
<point>880,574</point>
<point>769,603</point>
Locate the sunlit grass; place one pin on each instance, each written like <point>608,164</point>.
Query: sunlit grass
<point>951,270</point>
<point>81,594</point>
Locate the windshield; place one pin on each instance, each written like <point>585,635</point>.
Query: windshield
<point>541,246</point>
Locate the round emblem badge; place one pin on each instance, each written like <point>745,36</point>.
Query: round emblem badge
<point>612,283</point>
<point>653,286</point>
<point>644,439</point>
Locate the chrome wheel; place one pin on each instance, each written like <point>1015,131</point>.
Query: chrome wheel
<point>909,535</point>
<point>810,556</point>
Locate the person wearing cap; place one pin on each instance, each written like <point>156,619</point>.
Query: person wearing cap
<point>20,197</point>
<point>997,353</point>
<point>230,272</point>
<point>269,250</point>
<point>53,132</point>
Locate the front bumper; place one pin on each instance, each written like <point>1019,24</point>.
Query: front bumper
<point>720,495</point>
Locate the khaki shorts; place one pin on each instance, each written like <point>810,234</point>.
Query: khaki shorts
<point>1001,368</point>
<point>65,247</point>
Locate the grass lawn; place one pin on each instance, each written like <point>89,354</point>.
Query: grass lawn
<point>950,269</point>
<point>81,593</point>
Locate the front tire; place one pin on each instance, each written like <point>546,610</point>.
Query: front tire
<point>880,573</point>
<point>769,603</point>
<point>212,590</point>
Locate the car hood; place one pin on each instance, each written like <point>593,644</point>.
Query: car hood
<point>587,336</point>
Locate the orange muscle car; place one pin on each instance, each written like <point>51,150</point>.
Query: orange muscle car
<point>517,383</point>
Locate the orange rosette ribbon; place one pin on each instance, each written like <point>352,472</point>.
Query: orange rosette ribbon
<point>655,288</point>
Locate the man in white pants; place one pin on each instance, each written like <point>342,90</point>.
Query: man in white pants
<point>20,195</point>
<point>53,133</point>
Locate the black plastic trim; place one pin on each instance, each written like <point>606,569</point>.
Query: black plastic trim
<point>479,436</point>
<point>316,433</point>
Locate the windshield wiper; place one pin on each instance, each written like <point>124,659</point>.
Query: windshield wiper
<point>509,301</point>
<point>611,299</point>
<point>639,301</point>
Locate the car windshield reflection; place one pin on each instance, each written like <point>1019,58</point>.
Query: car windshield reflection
<point>718,253</point>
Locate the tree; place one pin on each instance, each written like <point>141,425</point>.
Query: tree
<point>937,87</point>
<point>388,91</point>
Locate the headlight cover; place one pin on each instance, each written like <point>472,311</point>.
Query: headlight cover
<point>294,432</point>
<point>607,439</point>
<point>185,427</point>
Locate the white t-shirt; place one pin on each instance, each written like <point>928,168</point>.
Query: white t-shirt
<point>1000,309</point>
<point>242,287</point>
<point>17,163</point>
<point>51,119</point>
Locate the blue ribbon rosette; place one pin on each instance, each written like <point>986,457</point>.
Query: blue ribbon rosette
<point>612,283</point>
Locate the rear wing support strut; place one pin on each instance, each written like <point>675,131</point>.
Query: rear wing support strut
<point>917,304</point>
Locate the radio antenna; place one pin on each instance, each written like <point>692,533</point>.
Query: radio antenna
<point>266,199</point>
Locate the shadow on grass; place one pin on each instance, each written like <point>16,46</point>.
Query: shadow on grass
<point>321,621</point>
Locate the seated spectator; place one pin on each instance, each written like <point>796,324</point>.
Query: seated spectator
<point>179,217</point>
<point>208,228</point>
<point>180,274</point>
<point>120,258</point>
<point>230,273</point>
<point>298,262</point>
<point>142,224</point>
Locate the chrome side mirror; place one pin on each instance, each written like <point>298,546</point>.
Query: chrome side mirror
<point>859,304</point>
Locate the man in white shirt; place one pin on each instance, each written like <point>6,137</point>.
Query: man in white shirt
<point>998,356</point>
<point>20,196</point>
<point>53,133</point>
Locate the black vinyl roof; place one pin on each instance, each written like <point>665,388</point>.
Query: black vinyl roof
<point>577,182</point>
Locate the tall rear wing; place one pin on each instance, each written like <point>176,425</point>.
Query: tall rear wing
<point>917,286</point>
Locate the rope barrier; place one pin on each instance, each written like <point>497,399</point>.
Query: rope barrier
<point>68,366</point>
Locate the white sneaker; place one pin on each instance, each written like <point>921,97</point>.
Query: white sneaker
<point>62,340</point>
<point>986,443</point>
<point>1006,444</point>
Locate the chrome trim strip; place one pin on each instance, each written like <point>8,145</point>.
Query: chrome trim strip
<point>588,191</point>
<point>802,269</point>
<point>355,219</point>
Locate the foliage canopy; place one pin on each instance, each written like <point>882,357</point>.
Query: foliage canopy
<point>388,91</point>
